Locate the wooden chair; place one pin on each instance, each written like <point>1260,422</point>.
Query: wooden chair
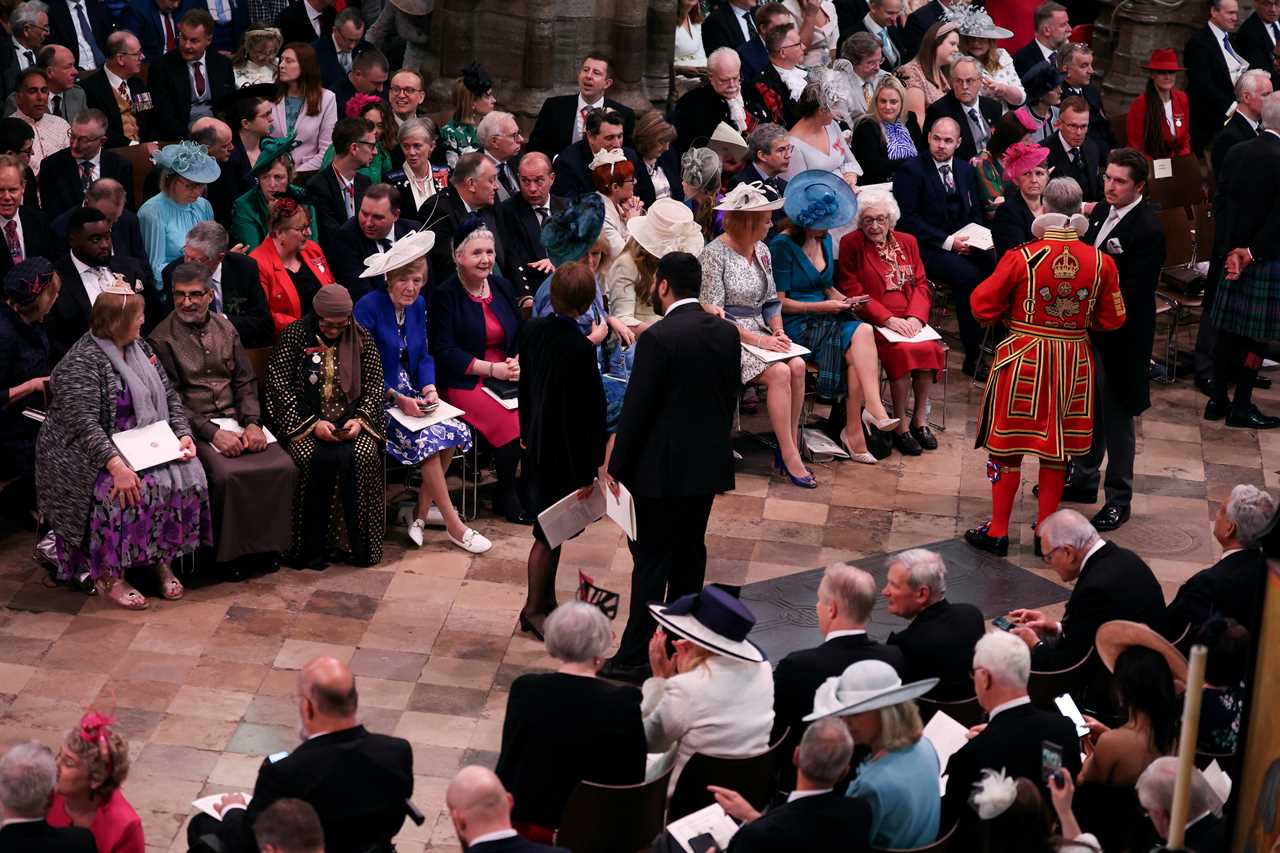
<point>1045,686</point>
<point>1184,188</point>
<point>1181,242</point>
<point>943,843</point>
<point>753,776</point>
<point>966,712</point>
<point>139,157</point>
<point>610,818</point>
<point>259,357</point>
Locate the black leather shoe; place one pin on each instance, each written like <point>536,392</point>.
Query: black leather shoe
<point>1214,411</point>
<point>1252,420</point>
<point>1078,495</point>
<point>629,674</point>
<point>1204,386</point>
<point>983,541</point>
<point>1110,517</point>
<point>907,444</point>
<point>925,437</point>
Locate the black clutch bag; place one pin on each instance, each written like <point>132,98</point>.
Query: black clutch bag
<point>503,389</point>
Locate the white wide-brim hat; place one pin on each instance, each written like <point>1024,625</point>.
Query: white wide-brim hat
<point>753,197</point>
<point>729,136</point>
<point>867,685</point>
<point>667,226</point>
<point>406,250</point>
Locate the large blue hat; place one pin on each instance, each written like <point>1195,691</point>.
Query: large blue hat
<point>189,159</point>
<point>714,620</point>
<point>819,200</point>
<point>570,234</point>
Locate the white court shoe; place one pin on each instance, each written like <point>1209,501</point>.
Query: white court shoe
<point>416,531</point>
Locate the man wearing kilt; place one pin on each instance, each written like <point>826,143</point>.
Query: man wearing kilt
<point>1246,307</point>
<point>1039,397</point>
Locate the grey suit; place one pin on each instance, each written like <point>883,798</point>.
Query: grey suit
<point>72,103</point>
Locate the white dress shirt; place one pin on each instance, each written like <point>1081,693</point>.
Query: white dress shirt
<point>421,188</point>
<point>500,835</point>
<point>1050,55</point>
<point>799,795</point>
<point>313,15</point>
<point>1093,549</point>
<point>1005,706</point>
<point>743,14</point>
<point>94,278</point>
<point>26,56</point>
<point>96,160</point>
<point>679,302</point>
<point>86,61</point>
<point>847,632</point>
<point>1116,216</point>
<point>579,125</point>
<point>196,96</point>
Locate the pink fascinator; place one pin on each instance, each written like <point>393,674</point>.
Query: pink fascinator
<point>1022,157</point>
<point>95,728</point>
<point>359,102</point>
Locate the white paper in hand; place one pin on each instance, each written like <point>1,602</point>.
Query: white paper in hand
<point>769,356</point>
<point>208,804</point>
<point>926,333</point>
<point>148,446</point>
<point>947,736</point>
<point>621,509</point>
<point>569,516</point>
<point>442,412</point>
<point>231,426</point>
<point>1218,780</point>
<point>710,820</point>
<point>979,236</point>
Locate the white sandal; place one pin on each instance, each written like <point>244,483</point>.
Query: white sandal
<point>471,541</point>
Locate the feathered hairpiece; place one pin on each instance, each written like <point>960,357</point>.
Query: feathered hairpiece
<point>700,168</point>
<point>95,729</point>
<point>993,794</point>
<point>476,79</point>
<point>607,157</point>
<point>359,101</point>
<point>285,206</point>
<point>835,89</point>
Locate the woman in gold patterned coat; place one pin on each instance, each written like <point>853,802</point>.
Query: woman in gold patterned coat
<point>324,400</point>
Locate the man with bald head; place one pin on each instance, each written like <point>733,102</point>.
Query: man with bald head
<point>520,221</point>
<point>356,781</point>
<point>481,812</point>
<point>723,98</point>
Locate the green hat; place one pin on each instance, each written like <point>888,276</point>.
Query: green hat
<point>271,149</point>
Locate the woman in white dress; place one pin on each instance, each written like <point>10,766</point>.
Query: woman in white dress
<point>689,50</point>
<point>821,47</point>
<point>978,37</point>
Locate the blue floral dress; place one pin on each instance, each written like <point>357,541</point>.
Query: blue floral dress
<point>411,448</point>
<point>164,525</point>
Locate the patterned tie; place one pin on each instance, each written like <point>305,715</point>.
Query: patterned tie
<point>170,38</point>
<point>349,198</point>
<point>1077,162</point>
<point>88,35</point>
<point>948,181</point>
<point>980,129</point>
<point>11,235</point>
<point>887,48</point>
<point>199,77</point>
<point>344,59</point>
<point>542,213</point>
<point>31,58</point>
<point>86,174</point>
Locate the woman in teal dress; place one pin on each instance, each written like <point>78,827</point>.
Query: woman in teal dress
<point>274,171</point>
<point>818,316</point>
<point>165,218</point>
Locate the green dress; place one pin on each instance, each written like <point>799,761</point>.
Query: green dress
<point>380,164</point>
<point>458,138</point>
<point>249,217</point>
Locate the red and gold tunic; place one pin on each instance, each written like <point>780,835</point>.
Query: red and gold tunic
<point>1039,394</point>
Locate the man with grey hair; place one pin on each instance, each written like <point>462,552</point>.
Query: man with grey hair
<point>938,642</point>
<point>1052,30</point>
<point>28,28</point>
<point>1015,732</point>
<point>1110,583</point>
<point>66,175</point>
<point>974,112</point>
<point>27,775</point>
<point>768,157</point>
<point>1234,585</point>
<point>846,596</point>
<point>500,140</point>
<point>815,816</point>
<point>722,98</point>
<point>1205,829</point>
<point>233,275</point>
<point>866,54</point>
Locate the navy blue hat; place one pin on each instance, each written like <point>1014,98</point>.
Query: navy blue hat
<point>1041,79</point>
<point>24,283</point>
<point>714,620</point>
<point>570,234</point>
<point>819,200</point>
<point>470,225</point>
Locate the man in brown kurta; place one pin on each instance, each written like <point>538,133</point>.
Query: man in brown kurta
<point>251,478</point>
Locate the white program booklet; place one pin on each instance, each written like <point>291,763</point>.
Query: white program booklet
<point>148,446</point>
<point>442,412</point>
<point>709,821</point>
<point>1218,780</point>
<point>233,427</point>
<point>570,515</point>
<point>947,736</point>
<point>206,804</point>
<point>509,405</point>
<point>769,356</point>
<point>979,236</point>
<point>927,333</point>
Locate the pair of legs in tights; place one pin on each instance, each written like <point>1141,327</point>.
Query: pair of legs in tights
<point>862,369</point>
<point>1005,473</point>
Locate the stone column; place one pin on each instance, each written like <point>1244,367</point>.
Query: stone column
<point>660,47</point>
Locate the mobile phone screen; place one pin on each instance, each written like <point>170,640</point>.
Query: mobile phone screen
<point>1050,759</point>
<point>1004,623</point>
<point>1067,706</point>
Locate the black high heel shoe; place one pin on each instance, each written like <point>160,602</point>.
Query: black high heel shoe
<point>527,627</point>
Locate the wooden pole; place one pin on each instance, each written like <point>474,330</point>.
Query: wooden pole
<point>1187,747</point>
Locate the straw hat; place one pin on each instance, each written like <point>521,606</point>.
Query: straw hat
<point>753,197</point>
<point>403,252</point>
<point>867,685</point>
<point>818,199</point>
<point>714,620</point>
<point>667,227</point>
<point>1116,636</point>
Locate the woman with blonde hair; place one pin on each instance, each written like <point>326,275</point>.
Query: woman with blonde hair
<point>926,75</point>
<point>882,139</point>
<point>979,37</point>
<point>255,62</point>
<point>473,99</point>
<point>92,765</point>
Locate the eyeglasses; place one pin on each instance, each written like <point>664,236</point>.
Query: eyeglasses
<point>1048,555</point>
<point>371,143</point>
<point>875,220</point>
<point>190,297</point>
<point>83,140</point>
<point>413,90</point>
<point>784,149</point>
<point>792,44</point>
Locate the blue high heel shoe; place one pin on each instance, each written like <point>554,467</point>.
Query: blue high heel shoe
<point>806,482</point>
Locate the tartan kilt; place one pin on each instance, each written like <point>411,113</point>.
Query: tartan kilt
<point>1250,305</point>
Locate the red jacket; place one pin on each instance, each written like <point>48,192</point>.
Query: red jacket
<point>282,297</point>
<point>862,272</point>
<point>1135,124</point>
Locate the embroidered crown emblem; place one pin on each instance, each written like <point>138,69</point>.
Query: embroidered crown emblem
<point>1065,266</point>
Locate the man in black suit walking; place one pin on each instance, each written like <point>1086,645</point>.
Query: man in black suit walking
<point>816,818</point>
<point>974,113</point>
<point>188,82</point>
<point>237,290</point>
<point>27,776</point>
<point>940,639</point>
<point>1072,154</point>
<point>1213,67</point>
<point>1125,227</point>
<point>356,781</point>
<point>336,192</point>
<point>374,228</point>
<point>730,24</point>
<point>672,448</point>
<point>605,129</point>
<point>65,175</point>
<point>520,221</point>
<point>1110,583</point>
<point>1052,25</point>
<point>480,809</point>
<point>305,20</point>
<point>562,121</point>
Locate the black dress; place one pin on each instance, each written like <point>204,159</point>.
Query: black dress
<point>24,354</point>
<point>562,729</point>
<point>562,410</point>
<point>307,285</point>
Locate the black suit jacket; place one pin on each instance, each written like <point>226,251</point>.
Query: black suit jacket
<point>1011,226</point>
<point>356,781</point>
<point>1089,177</point>
<point>331,70</point>
<point>62,31</point>
<point>1237,129</point>
<point>325,194</point>
<point>1233,587</point>
<point>573,175</point>
<point>1207,835</point>
<point>769,78</point>
<point>799,674</point>
<point>126,236</point>
<point>516,844</point>
<point>69,319</point>
<point>939,644</point>
<point>37,241</point>
<point>171,90</point>
<point>673,435</point>
<point>39,837</point>
<point>918,23</point>
<point>1099,125</point>
<point>1114,584</point>
<point>1011,741</point>
<point>1253,44</point>
<point>243,300</point>
<point>1209,88</point>
<point>923,199</point>
<point>444,212</point>
<point>1028,56</point>
<point>1250,184</point>
<point>721,29</point>
<point>820,823</point>
<point>60,180</point>
<point>521,238</point>
<point>553,129</point>
<point>295,25</point>
<point>949,107</point>
<point>1137,245</point>
<point>699,111</point>
<point>8,67</point>
<point>98,94</point>
<point>897,35</point>
<point>350,250</point>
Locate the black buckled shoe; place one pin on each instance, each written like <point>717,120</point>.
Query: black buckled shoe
<point>907,444</point>
<point>1253,419</point>
<point>979,538</point>
<point>1110,517</point>
<point>925,437</point>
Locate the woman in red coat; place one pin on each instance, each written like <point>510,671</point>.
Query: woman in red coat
<point>883,264</point>
<point>1159,121</point>
<point>291,267</point>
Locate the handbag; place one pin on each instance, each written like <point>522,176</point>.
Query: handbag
<point>503,389</point>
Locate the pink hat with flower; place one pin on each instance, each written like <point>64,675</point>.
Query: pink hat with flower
<point>1022,157</point>
<point>359,101</point>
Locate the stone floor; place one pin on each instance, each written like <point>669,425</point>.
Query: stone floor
<point>203,686</point>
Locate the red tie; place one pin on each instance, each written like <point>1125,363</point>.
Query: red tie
<point>11,235</point>
<point>170,40</point>
<point>199,75</point>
